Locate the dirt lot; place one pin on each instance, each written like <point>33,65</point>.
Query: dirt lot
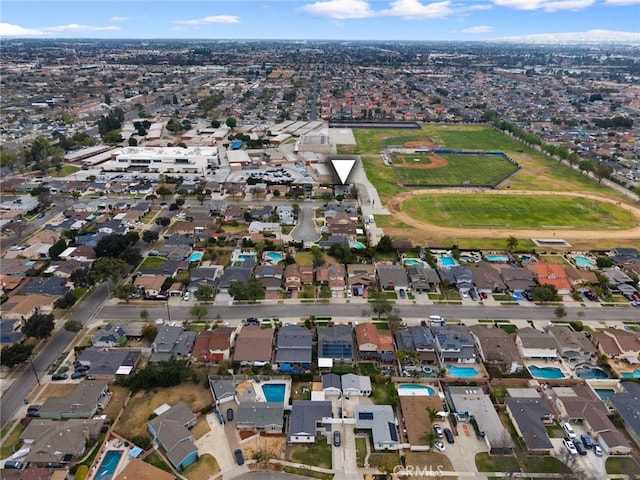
<point>273,446</point>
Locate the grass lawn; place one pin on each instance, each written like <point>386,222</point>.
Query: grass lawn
<point>383,177</point>
<point>382,393</point>
<point>304,258</point>
<point>318,454</point>
<point>117,401</point>
<point>509,328</point>
<point>389,221</point>
<point>622,465</point>
<point>297,390</point>
<point>533,464</point>
<point>307,473</point>
<point>430,462</point>
<point>342,369</point>
<point>152,262</point>
<point>12,442</point>
<point>385,462</point>
<point>66,170</point>
<point>361,451</point>
<point>517,212</point>
<point>201,427</point>
<point>142,404</point>
<point>496,463</point>
<point>155,460</point>
<point>203,468</point>
<point>367,368</point>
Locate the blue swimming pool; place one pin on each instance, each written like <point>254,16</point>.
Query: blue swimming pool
<point>547,373</point>
<point>583,262</point>
<point>358,245</point>
<point>589,372</point>
<point>195,257</point>
<point>108,465</point>
<point>275,257</point>
<point>447,261</point>
<point>497,258</point>
<point>527,259</point>
<point>412,261</point>
<point>462,372</point>
<point>412,389</point>
<point>274,392</point>
<point>634,374</point>
<point>605,393</point>
<point>245,257</point>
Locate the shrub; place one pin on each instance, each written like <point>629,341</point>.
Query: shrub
<point>82,472</point>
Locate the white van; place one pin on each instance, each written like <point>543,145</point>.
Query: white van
<point>436,320</point>
<point>571,434</point>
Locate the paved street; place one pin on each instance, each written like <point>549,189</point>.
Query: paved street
<point>306,231</point>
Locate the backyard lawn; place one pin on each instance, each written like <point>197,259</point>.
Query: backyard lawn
<point>155,460</point>
<point>12,442</point>
<point>318,454</point>
<point>202,469</point>
<point>152,262</point>
<point>496,463</point>
<point>361,451</point>
<point>367,369</point>
<point>621,465</point>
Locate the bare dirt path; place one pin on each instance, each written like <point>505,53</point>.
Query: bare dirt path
<point>394,205</point>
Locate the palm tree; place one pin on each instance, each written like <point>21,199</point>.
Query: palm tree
<point>512,243</point>
<point>430,437</point>
<point>433,413</point>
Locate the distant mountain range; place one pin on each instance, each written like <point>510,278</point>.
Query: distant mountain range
<point>591,36</point>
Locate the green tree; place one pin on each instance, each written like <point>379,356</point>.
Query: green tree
<point>144,314</point>
<point>586,165</point>
<point>15,354</point>
<point>108,268</point>
<point>512,243</point>
<point>602,171</point>
<point>150,236</point>
<point>380,305</point>
<point>231,122</point>
<point>198,311</point>
<point>8,159</point>
<point>111,246</point>
<point>124,291</point>
<point>430,437</point>
<point>544,293</point>
<point>204,293</point>
<point>385,245</point>
<point>603,262</point>
<point>57,248</point>
<point>133,142</point>
<point>149,332</point>
<point>560,312</point>
<point>67,300</point>
<point>73,326</point>
<point>39,325</point>
<point>81,278</point>
<point>251,291</point>
<point>163,191</point>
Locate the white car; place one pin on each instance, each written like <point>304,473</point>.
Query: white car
<point>597,449</point>
<point>570,447</point>
<point>187,296</point>
<point>439,446</point>
<point>571,434</point>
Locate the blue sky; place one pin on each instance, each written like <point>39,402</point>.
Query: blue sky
<point>321,19</point>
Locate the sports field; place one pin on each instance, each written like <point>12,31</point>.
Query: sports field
<point>451,169</point>
<point>517,212</point>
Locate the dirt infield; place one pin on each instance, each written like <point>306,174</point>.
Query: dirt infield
<point>421,144</point>
<point>394,206</point>
<point>436,162</point>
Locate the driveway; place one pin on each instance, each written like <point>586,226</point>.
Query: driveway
<point>215,443</point>
<point>306,229</point>
<point>589,463</point>
<point>462,453</point>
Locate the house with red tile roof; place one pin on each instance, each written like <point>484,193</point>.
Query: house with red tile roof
<point>552,274</point>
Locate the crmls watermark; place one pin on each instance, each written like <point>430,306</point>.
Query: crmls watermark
<point>419,471</point>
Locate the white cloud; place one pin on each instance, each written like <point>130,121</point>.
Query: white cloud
<point>339,9</point>
<point>479,29</point>
<point>211,19</point>
<point>519,4</point>
<point>77,28</point>
<point>9,30</point>
<point>546,5</point>
<point>119,19</point>
<point>414,10</point>
<point>567,5</point>
<point>623,2</point>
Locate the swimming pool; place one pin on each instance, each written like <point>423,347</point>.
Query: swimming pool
<point>462,372</point>
<point>634,374</point>
<point>589,372</point>
<point>245,257</point>
<point>548,373</point>
<point>497,258</point>
<point>447,261</point>
<point>410,389</point>
<point>358,245</point>
<point>605,393</point>
<point>528,259</point>
<point>583,262</point>
<point>195,257</point>
<point>275,257</point>
<point>274,392</point>
<point>412,261</point>
<point>109,465</point>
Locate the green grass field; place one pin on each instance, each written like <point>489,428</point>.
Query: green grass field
<point>517,212</point>
<point>472,170</point>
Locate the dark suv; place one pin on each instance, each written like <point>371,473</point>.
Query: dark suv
<point>448,434</point>
<point>239,457</point>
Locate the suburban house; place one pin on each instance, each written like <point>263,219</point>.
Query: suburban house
<point>517,279</point>
<point>473,403</point>
<point>204,276</point>
<point>497,348</point>
<point>423,278</point>
<point>293,348</point>
<point>170,268</point>
<point>107,364</point>
<point>335,342</point>
<point>21,307</point>
<point>235,274</point>
<point>286,214</point>
<point>111,336</point>
<point>461,277</point>
<point>355,385</point>
<point>10,331</point>
<point>222,390</point>
<point>213,345</point>
<point>264,417</point>
<point>627,404</point>
<point>332,275</point>
<point>381,422</point>
<point>331,384</point>
<point>309,419</point>
<point>52,286</point>
<point>616,342</point>
<point>84,402</point>
<point>392,277</point>
<point>150,285</point>
<point>580,278</point>
<point>533,343</point>
<point>361,277</point>
<point>487,278</point>
<point>454,343</point>
<point>529,414</point>
<point>172,342</point>
<point>54,443</point>
<point>551,274</point>
<point>573,346</point>
<point>579,403</point>
<point>419,339</point>
<point>623,255</point>
<point>269,276</point>
<point>253,346</point>
<point>415,412</point>
<point>170,430</point>
<point>373,344</point>
<point>297,276</point>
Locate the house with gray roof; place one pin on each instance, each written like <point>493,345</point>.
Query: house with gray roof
<point>381,422</point>
<point>222,390</point>
<point>392,277</point>
<point>461,277</point>
<point>266,417</point>
<point>204,276</point>
<point>530,414</point>
<point>172,342</point>
<point>53,286</point>
<point>533,343</point>
<point>417,338</point>
<point>235,274</point>
<point>472,402</point>
<point>454,343</point>
<point>86,399</point>
<point>293,347</point>
<point>573,346</point>
<point>497,348</point>
<point>335,342</point>
<point>627,404</point>
<point>487,279</point>
<point>355,385</point>
<point>308,419</point>
<point>423,278</point>
<point>8,332</point>
<point>110,336</point>
<point>170,429</point>
<point>517,279</point>
<point>331,384</point>
<point>169,268</point>
<point>107,364</point>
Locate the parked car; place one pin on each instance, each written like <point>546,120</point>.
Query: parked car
<point>579,447</point>
<point>336,438</point>
<point>568,429</point>
<point>439,446</point>
<point>586,440</point>
<point>484,296</point>
<point>59,376</point>
<point>13,465</point>
<point>187,296</point>
<point>252,321</point>
<point>229,414</point>
<point>570,446</point>
<point>474,295</point>
<point>448,435</point>
<point>239,456</point>
<point>81,368</point>
<point>403,294</point>
<point>438,429</point>
<point>597,449</point>
<point>78,374</point>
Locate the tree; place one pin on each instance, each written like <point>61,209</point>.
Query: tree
<point>15,354</point>
<point>394,321</point>
<point>318,256</point>
<point>512,243</point>
<point>149,332</point>
<point>67,300</point>
<point>586,165</point>
<point>198,311</point>
<point>163,191</point>
<point>73,326</point>
<point>57,248</point>
<point>251,291</point>
<point>430,437</point>
<point>385,245</point>
<point>380,305</point>
<point>131,256</point>
<point>602,171</point>
<point>603,262</point>
<point>560,312</point>
<point>201,197</point>
<point>231,122</point>
<point>108,268</point>
<point>150,236</point>
<point>133,142</point>
<point>544,293</point>
<point>8,159</point>
<point>39,325</point>
<point>164,221</point>
<point>124,291</point>
<point>144,314</point>
<point>81,278</point>
<point>111,246</point>
<point>204,293</point>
